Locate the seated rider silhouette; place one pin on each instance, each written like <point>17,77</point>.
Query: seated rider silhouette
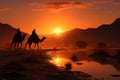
<point>18,31</point>
<point>34,34</point>
<point>18,34</point>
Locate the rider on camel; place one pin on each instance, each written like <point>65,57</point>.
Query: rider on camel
<point>34,34</point>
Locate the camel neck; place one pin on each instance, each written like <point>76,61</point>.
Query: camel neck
<point>24,36</point>
<point>41,40</point>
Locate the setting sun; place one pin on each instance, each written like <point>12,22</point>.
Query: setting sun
<point>58,31</point>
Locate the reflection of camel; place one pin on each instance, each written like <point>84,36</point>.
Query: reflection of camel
<point>17,39</point>
<point>35,40</point>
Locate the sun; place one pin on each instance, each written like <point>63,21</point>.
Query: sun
<point>58,31</point>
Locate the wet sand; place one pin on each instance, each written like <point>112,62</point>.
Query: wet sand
<point>34,65</point>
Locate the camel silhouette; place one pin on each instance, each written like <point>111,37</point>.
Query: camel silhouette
<point>35,40</point>
<point>17,39</point>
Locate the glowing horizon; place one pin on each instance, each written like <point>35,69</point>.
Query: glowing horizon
<point>58,31</point>
<point>45,15</point>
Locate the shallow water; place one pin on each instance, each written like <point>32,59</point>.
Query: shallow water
<point>96,69</point>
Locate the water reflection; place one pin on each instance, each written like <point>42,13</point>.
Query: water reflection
<point>106,61</point>
<point>98,67</point>
<point>59,61</point>
<point>97,70</point>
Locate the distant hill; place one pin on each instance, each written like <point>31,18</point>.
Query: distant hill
<point>108,33</point>
<point>6,33</point>
<point>5,29</point>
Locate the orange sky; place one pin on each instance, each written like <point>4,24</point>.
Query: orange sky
<point>47,15</point>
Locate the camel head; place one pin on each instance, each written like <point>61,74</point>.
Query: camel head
<point>43,38</point>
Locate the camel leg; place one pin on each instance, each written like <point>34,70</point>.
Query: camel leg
<point>38,45</point>
<point>14,45</point>
<point>25,46</point>
<point>30,45</point>
<point>11,45</point>
<point>35,45</point>
<point>20,45</point>
<point>17,45</point>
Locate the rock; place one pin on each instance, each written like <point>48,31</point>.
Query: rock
<point>115,75</point>
<point>79,63</point>
<point>13,66</point>
<point>12,76</point>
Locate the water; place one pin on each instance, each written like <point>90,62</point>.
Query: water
<point>95,68</point>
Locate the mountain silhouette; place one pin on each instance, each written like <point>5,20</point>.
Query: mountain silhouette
<point>108,33</point>
<point>116,23</point>
<point>6,28</point>
<point>6,33</point>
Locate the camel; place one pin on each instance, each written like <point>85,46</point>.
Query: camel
<point>17,39</point>
<point>35,40</point>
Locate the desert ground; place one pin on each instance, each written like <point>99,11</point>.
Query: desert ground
<point>34,65</point>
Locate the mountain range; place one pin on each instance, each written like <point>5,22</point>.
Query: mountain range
<point>107,33</point>
<point>6,33</point>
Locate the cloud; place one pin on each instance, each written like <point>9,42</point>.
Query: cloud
<point>58,6</point>
<point>4,9</point>
<point>107,1</point>
<point>117,2</point>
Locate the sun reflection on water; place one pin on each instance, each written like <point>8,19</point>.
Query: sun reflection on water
<point>58,61</point>
<point>94,68</point>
